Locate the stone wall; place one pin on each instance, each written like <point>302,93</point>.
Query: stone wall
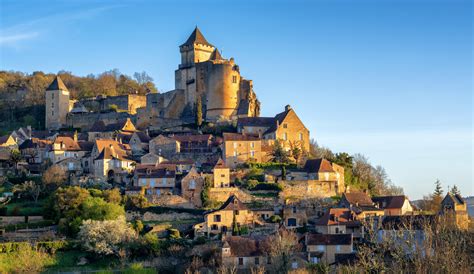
<point>307,189</point>
<point>84,121</point>
<point>222,194</point>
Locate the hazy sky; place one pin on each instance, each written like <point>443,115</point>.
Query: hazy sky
<point>389,79</point>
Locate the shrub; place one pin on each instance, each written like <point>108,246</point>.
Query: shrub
<point>173,233</point>
<point>275,219</point>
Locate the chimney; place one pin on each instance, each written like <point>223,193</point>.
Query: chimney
<point>287,107</point>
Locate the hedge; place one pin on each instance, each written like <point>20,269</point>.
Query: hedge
<point>39,224</point>
<point>50,246</point>
<point>270,165</point>
<point>162,209</point>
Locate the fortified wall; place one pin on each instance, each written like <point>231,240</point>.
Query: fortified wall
<point>308,189</point>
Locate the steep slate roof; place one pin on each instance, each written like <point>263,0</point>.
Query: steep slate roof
<point>196,38</point>
<point>358,198</point>
<point>318,165</point>
<point>278,120</point>
<point>255,121</point>
<point>85,145</point>
<point>216,55</point>
<point>100,126</point>
<point>34,143</point>
<point>238,137</point>
<point>57,84</point>
<point>241,246</point>
<point>457,199</point>
<point>220,164</point>
<point>192,138</point>
<point>232,203</point>
<point>390,201</point>
<point>329,239</point>
<point>344,216</point>
<point>144,138</point>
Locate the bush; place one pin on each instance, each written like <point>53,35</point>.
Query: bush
<point>269,165</point>
<point>51,247</point>
<point>173,233</point>
<point>254,185</point>
<point>275,219</point>
<point>3,211</point>
<point>13,227</point>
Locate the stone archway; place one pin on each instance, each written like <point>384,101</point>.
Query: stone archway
<point>110,176</point>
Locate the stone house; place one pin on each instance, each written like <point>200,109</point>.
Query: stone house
<point>325,248</point>
<point>323,170</point>
<point>100,130</point>
<point>241,148</point>
<point>221,175</point>
<point>294,216</point>
<point>245,252</point>
<point>191,187</point>
<point>285,126</point>
<point>112,164</point>
<point>221,221</point>
<point>340,221</point>
<point>194,143</point>
<point>35,151</point>
<point>455,208</point>
<point>155,181</point>
<point>151,159</point>
<point>139,142</point>
<point>394,205</point>
<point>65,147</point>
<point>361,204</point>
<point>164,146</point>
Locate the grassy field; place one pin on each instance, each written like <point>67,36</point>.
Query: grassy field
<point>25,208</point>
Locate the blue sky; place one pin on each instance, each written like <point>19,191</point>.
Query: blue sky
<point>389,79</point>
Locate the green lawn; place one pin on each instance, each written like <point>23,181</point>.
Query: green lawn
<point>25,208</point>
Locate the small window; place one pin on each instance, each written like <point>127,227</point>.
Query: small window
<point>192,184</point>
<point>217,218</point>
<point>214,227</point>
<point>222,175</point>
<point>234,79</point>
<point>285,136</point>
<point>252,144</point>
<point>269,260</point>
<point>236,212</point>
<point>338,248</point>
<point>235,153</point>
<point>285,125</point>
<point>252,153</point>
<point>337,230</point>
<point>235,144</point>
<point>301,136</point>
<point>257,260</point>
<point>241,261</point>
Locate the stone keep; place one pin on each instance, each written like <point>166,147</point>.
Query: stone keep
<point>57,104</point>
<point>204,73</point>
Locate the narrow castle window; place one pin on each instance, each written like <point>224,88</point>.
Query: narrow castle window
<point>234,79</point>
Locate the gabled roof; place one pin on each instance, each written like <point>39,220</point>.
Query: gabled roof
<point>193,138</point>
<point>216,55</point>
<point>318,165</point>
<point>68,142</point>
<point>220,164</point>
<point>337,216</point>
<point>4,139</point>
<point>390,202</point>
<point>100,126</point>
<point>232,203</point>
<point>456,198</point>
<point>34,143</point>
<point>154,172</point>
<point>103,143</point>
<point>57,84</point>
<point>228,136</point>
<point>357,198</point>
<point>329,239</point>
<point>255,121</point>
<point>278,120</point>
<point>196,38</point>
<point>109,153</point>
<point>144,138</point>
<point>246,246</point>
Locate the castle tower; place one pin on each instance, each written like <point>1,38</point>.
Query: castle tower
<point>195,50</point>
<point>57,104</point>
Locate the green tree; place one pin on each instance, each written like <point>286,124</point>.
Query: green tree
<point>280,155</point>
<point>235,227</point>
<point>15,158</point>
<point>112,196</point>
<point>198,112</point>
<point>455,191</point>
<point>96,208</point>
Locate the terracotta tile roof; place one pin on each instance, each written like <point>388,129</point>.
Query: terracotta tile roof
<point>358,198</point>
<point>57,84</point>
<point>318,165</point>
<point>390,202</point>
<point>337,216</point>
<point>118,148</point>
<point>238,137</point>
<point>329,239</point>
<point>68,142</point>
<point>109,153</point>
<point>196,38</point>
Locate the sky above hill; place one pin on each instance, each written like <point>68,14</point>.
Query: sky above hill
<point>391,79</point>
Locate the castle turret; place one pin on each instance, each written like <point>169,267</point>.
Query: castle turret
<point>57,104</point>
<point>196,49</point>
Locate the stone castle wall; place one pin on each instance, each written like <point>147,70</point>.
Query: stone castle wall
<point>84,121</point>
<point>222,194</point>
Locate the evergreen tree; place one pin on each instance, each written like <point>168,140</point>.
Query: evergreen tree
<point>235,227</point>
<point>438,192</point>
<point>198,112</point>
<point>455,190</point>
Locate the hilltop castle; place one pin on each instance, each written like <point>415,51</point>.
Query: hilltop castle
<point>202,75</point>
